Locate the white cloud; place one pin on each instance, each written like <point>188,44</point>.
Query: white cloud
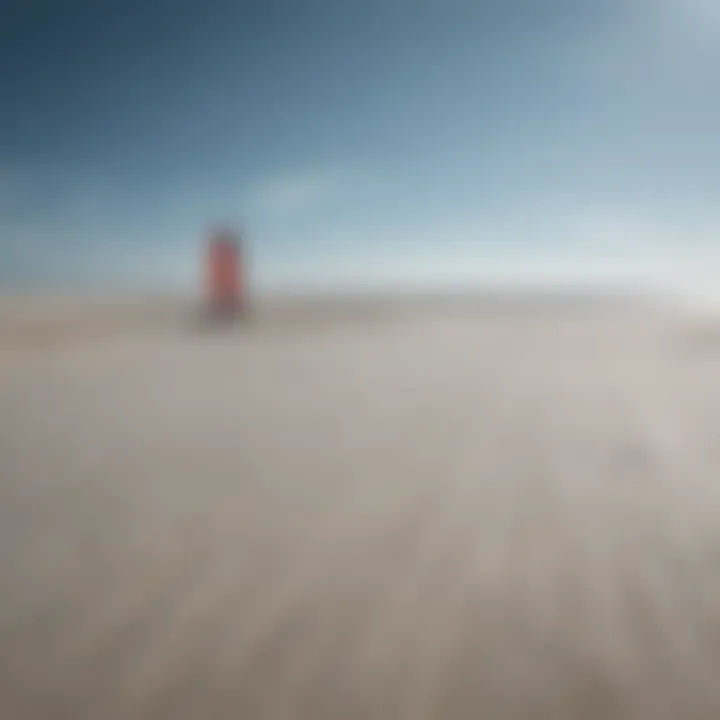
<point>644,43</point>
<point>700,14</point>
<point>293,192</point>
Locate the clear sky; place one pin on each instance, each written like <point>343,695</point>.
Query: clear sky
<point>391,141</point>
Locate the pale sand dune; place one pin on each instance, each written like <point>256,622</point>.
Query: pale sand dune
<point>431,515</point>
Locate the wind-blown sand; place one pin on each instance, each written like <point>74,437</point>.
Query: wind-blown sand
<point>402,515</point>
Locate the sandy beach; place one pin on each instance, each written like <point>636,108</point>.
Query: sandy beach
<point>422,514</point>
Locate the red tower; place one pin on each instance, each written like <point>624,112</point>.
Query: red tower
<point>225,272</point>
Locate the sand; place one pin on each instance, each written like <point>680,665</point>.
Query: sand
<point>405,515</point>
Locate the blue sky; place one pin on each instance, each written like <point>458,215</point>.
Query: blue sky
<point>388,142</point>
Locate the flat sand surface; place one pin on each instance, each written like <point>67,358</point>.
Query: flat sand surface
<point>408,516</point>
